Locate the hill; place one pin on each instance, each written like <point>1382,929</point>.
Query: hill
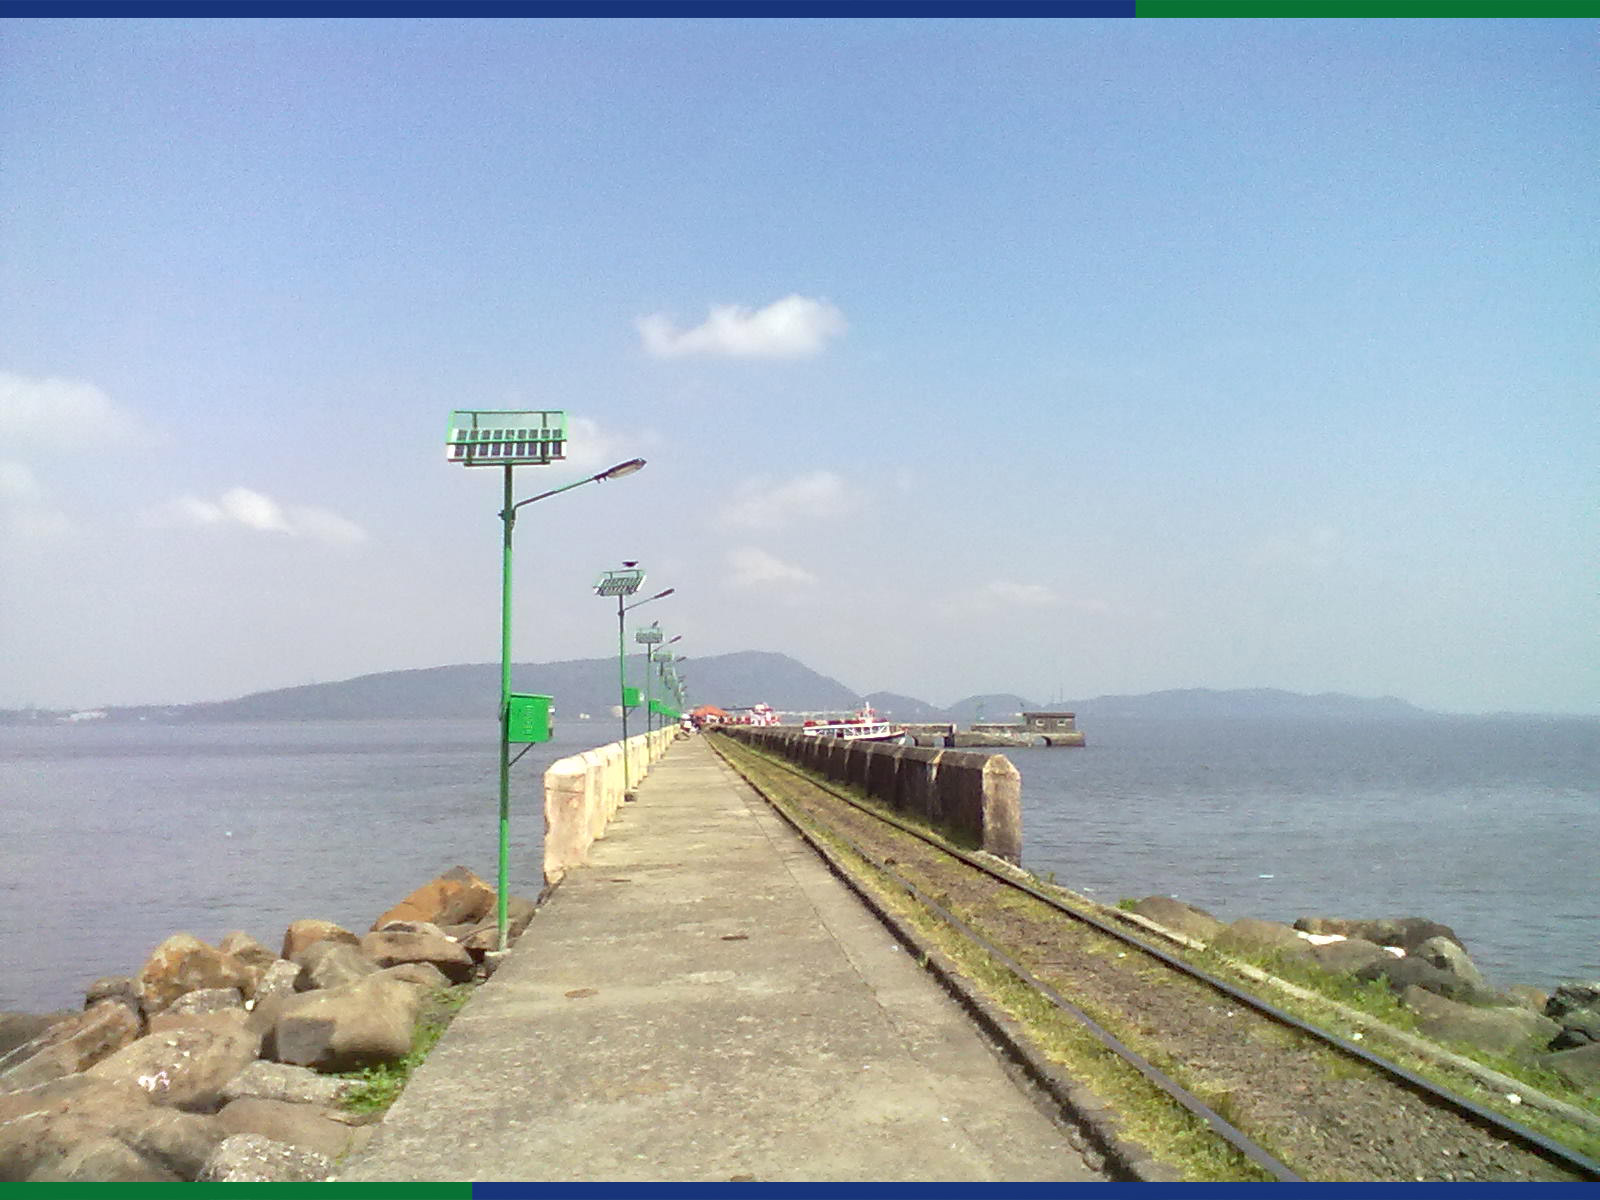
<point>748,677</point>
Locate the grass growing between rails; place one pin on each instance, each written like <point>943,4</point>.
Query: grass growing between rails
<point>1378,1002</point>
<point>1144,1116</point>
<point>379,1087</point>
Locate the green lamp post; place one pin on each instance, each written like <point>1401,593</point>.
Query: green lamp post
<point>623,584</point>
<point>649,638</point>
<point>509,439</point>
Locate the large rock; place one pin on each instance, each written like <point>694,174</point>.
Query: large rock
<point>1179,917</point>
<point>1408,972</point>
<point>70,1046</point>
<point>458,897</point>
<point>306,1126</point>
<point>1503,1030</point>
<point>206,1000</point>
<point>114,987</point>
<point>425,977</point>
<point>1576,1008</point>
<point>17,1028</point>
<point>358,1025</point>
<point>1348,956</point>
<point>277,980</point>
<point>94,1130</point>
<point>263,1080</point>
<point>330,964</point>
<point>185,1067</point>
<point>392,948</point>
<point>251,1158</point>
<point>1405,932</point>
<point>1579,1066</point>
<point>183,963</point>
<point>304,932</point>
<point>247,950</point>
<point>1250,936</point>
<point>1448,956</point>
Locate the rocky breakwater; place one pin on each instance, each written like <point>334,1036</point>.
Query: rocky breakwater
<point>228,1063</point>
<point>1428,968</point>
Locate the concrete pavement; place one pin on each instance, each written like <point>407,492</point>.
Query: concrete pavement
<point>705,1002</point>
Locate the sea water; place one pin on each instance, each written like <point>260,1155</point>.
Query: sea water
<point>1489,825</point>
<point>114,836</point>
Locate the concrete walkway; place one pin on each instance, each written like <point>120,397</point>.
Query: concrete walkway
<point>705,1002</point>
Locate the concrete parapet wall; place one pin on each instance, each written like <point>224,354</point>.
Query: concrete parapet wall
<point>973,799</point>
<point>582,792</point>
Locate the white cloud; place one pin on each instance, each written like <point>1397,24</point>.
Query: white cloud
<point>60,413</point>
<point>752,567</point>
<point>25,511</point>
<point>760,505</point>
<point>1004,595</point>
<point>252,510</point>
<point>794,327</point>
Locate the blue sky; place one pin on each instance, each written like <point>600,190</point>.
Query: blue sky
<point>1060,358</point>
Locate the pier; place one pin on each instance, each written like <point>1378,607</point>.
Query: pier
<point>705,1001</point>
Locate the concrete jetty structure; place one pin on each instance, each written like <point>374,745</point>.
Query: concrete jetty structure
<point>703,1001</point>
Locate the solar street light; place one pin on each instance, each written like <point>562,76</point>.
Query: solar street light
<point>510,438</point>
<point>622,584</point>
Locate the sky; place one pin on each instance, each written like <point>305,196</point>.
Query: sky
<point>1061,358</point>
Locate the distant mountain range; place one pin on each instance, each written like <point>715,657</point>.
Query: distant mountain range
<point>589,685</point>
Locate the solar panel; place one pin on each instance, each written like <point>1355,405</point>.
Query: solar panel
<point>619,583</point>
<point>500,437</point>
<point>648,637</point>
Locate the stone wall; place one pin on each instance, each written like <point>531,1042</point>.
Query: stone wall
<point>973,799</point>
<point>583,792</point>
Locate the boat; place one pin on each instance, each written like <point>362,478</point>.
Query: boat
<point>864,725</point>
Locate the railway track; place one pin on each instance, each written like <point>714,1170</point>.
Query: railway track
<point>1278,1098</point>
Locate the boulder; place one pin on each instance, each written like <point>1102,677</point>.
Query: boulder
<point>114,987</point>
<point>1503,1030</point>
<point>1408,972</point>
<point>251,1158</point>
<point>247,950</point>
<point>95,1130</point>
<point>423,976</point>
<point>1405,932</point>
<point>1579,1066</point>
<point>70,1046</point>
<point>277,980</point>
<point>458,897</point>
<point>304,932</point>
<point>392,948</point>
<point>306,1126</point>
<point>183,963</point>
<point>1348,956</point>
<point>1250,936</point>
<point>206,1000</point>
<point>17,1028</point>
<point>1179,917</point>
<point>263,1080</point>
<point>415,927</point>
<point>343,1029</point>
<point>1448,956</point>
<point>1576,1008</point>
<point>331,964</point>
<point>1528,997</point>
<point>188,1066</point>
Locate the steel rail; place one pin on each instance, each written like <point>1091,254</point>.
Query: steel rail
<point>1478,1114</point>
<point>1170,1087</point>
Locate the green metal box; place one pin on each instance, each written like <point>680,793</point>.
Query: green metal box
<point>631,696</point>
<point>529,718</point>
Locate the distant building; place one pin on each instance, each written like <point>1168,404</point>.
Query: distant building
<point>1050,722</point>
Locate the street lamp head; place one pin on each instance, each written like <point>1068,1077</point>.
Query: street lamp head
<point>621,469</point>
<point>679,638</point>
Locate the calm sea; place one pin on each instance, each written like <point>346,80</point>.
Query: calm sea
<point>116,836</point>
